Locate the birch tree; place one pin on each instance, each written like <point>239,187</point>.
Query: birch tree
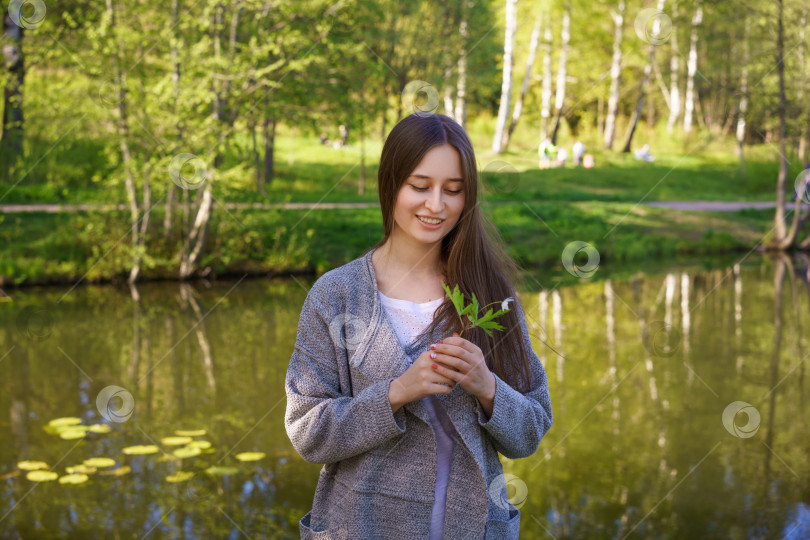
<point>615,75</point>
<point>784,238</point>
<point>656,30</point>
<point>527,76</point>
<point>559,98</point>
<point>674,67</point>
<point>460,111</point>
<point>691,68</point>
<point>743,106</point>
<point>506,86</point>
<point>12,136</point>
<point>804,116</point>
<point>545,109</point>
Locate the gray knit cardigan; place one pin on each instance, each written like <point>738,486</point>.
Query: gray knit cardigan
<point>379,468</point>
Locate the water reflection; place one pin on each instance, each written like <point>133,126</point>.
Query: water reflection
<point>641,370</point>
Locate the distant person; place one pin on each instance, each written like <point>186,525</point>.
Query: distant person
<point>643,153</point>
<point>588,161</point>
<point>806,191</point>
<point>562,156</point>
<point>578,151</point>
<point>324,138</point>
<point>548,153</point>
<point>344,135</point>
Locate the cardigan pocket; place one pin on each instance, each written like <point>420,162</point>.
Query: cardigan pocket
<point>504,530</point>
<point>332,533</point>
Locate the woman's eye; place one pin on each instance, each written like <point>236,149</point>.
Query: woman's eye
<point>456,192</point>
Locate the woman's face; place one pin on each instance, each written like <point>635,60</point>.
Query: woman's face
<point>435,189</point>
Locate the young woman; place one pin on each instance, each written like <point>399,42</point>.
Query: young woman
<point>405,407</point>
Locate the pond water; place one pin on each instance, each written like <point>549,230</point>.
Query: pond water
<point>679,401</point>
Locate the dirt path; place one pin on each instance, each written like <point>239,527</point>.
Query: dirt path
<point>677,205</point>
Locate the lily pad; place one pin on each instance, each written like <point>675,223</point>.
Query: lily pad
<point>100,428</point>
<point>120,471</point>
<point>80,469</point>
<point>73,479</point>
<point>221,471</point>
<point>99,462</point>
<point>140,450</point>
<point>66,421</point>
<point>32,465</point>
<point>250,456</point>
<point>175,441</point>
<point>187,452</point>
<point>73,432</point>
<point>41,476</point>
<point>180,476</point>
<point>190,432</point>
<point>202,445</point>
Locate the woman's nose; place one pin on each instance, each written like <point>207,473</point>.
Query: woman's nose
<point>434,202</point>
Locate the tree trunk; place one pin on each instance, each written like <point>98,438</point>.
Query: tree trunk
<point>743,98</point>
<point>804,116</point>
<point>257,162</point>
<point>448,89</point>
<point>361,188</point>
<point>615,76</point>
<point>269,133</point>
<point>783,239</point>
<point>545,110</point>
<point>527,76</point>
<point>194,243</point>
<point>175,55</point>
<point>674,67</point>
<point>12,136</point>
<point>559,99</point>
<point>123,141</point>
<point>506,85</point>
<point>461,81</point>
<point>691,68</point>
<point>631,129</point>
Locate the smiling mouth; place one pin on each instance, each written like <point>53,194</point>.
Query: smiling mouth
<point>429,221</point>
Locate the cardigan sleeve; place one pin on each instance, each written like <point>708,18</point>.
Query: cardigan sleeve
<point>519,421</point>
<point>324,422</point>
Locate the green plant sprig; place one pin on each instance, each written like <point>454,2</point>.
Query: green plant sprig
<point>472,311</point>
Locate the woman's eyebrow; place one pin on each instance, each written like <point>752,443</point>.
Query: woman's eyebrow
<point>431,178</point>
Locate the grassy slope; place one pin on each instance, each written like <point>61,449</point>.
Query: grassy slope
<point>547,209</point>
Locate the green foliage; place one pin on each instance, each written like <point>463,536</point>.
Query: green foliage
<point>472,311</point>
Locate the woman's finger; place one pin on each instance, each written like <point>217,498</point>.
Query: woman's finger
<point>452,362</point>
<point>447,372</point>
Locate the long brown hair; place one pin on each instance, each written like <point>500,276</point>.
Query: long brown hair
<point>472,253</point>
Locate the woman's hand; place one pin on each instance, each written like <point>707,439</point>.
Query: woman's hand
<point>419,381</point>
<point>462,361</point>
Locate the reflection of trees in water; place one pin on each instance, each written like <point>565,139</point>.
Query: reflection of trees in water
<point>197,320</point>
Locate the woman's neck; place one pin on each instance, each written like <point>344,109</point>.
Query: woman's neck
<point>397,258</point>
